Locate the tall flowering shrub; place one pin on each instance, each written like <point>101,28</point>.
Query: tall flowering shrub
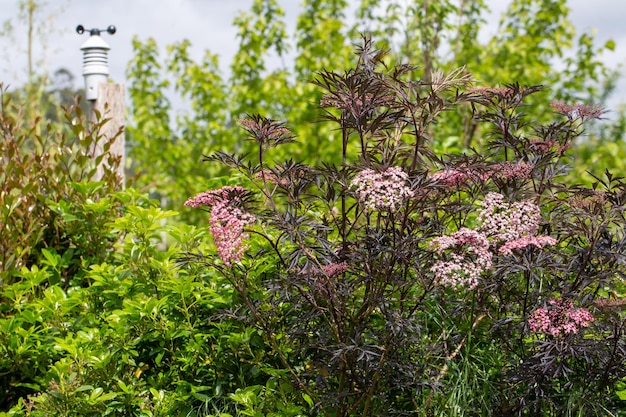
<point>392,282</point>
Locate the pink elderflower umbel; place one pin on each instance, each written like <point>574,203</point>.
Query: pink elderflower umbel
<point>515,224</point>
<point>227,221</point>
<point>453,178</point>
<point>270,177</point>
<point>508,221</point>
<point>580,111</point>
<point>266,131</point>
<point>450,177</point>
<point>469,259</point>
<point>543,146</point>
<point>559,318</point>
<point>382,190</point>
<point>357,104</point>
<point>334,269</point>
<point>512,170</point>
<point>522,242</point>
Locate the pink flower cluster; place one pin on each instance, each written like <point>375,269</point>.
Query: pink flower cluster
<point>524,241</point>
<point>453,178</point>
<point>512,170</point>
<point>268,176</point>
<point>578,111</point>
<point>471,257</point>
<point>266,131</point>
<point>516,224</point>
<point>357,104</point>
<point>227,220</point>
<point>508,221</point>
<point>541,146</point>
<point>559,318</point>
<point>382,190</point>
<point>334,269</point>
<point>596,201</point>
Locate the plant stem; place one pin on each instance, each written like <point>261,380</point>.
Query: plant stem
<point>450,357</point>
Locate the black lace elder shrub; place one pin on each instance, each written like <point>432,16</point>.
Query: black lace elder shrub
<point>401,282</point>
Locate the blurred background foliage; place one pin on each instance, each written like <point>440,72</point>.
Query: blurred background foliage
<point>535,44</point>
<point>180,108</point>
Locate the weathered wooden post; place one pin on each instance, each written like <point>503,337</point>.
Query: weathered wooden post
<point>105,98</point>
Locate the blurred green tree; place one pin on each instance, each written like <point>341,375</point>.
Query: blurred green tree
<point>535,44</point>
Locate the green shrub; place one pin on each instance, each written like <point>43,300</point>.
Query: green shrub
<point>45,189</point>
<point>143,338</point>
<point>52,224</point>
<point>95,318</point>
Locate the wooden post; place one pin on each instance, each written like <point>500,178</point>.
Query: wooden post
<point>110,104</point>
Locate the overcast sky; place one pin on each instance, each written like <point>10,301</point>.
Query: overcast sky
<point>208,25</point>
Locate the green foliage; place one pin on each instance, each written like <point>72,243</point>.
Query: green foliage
<point>95,318</point>
<point>605,149</point>
<point>47,199</point>
<point>99,316</point>
<point>143,338</point>
<point>259,32</point>
<point>535,44</point>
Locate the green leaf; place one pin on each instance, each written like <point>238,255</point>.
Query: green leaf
<point>125,388</point>
<point>52,258</point>
<point>95,394</point>
<point>308,399</point>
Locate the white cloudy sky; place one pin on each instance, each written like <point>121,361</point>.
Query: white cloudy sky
<point>208,25</point>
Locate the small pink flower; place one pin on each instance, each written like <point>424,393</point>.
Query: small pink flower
<point>516,224</point>
<point>470,257</point>
<point>334,269</point>
<point>522,242</point>
<point>560,318</point>
<point>266,131</point>
<point>227,221</point>
<point>454,178</point>
<point>580,111</point>
<point>227,225</point>
<point>543,146</point>
<point>512,170</point>
<point>539,321</point>
<point>450,178</point>
<point>355,103</point>
<point>506,221</point>
<point>270,177</point>
<point>385,190</point>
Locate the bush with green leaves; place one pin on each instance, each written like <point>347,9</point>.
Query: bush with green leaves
<point>48,199</point>
<point>52,221</point>
<point>405,282</point>
<point>144,338</point>
<point>94,317</point>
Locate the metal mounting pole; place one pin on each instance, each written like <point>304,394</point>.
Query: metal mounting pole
<point>105,98</point>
